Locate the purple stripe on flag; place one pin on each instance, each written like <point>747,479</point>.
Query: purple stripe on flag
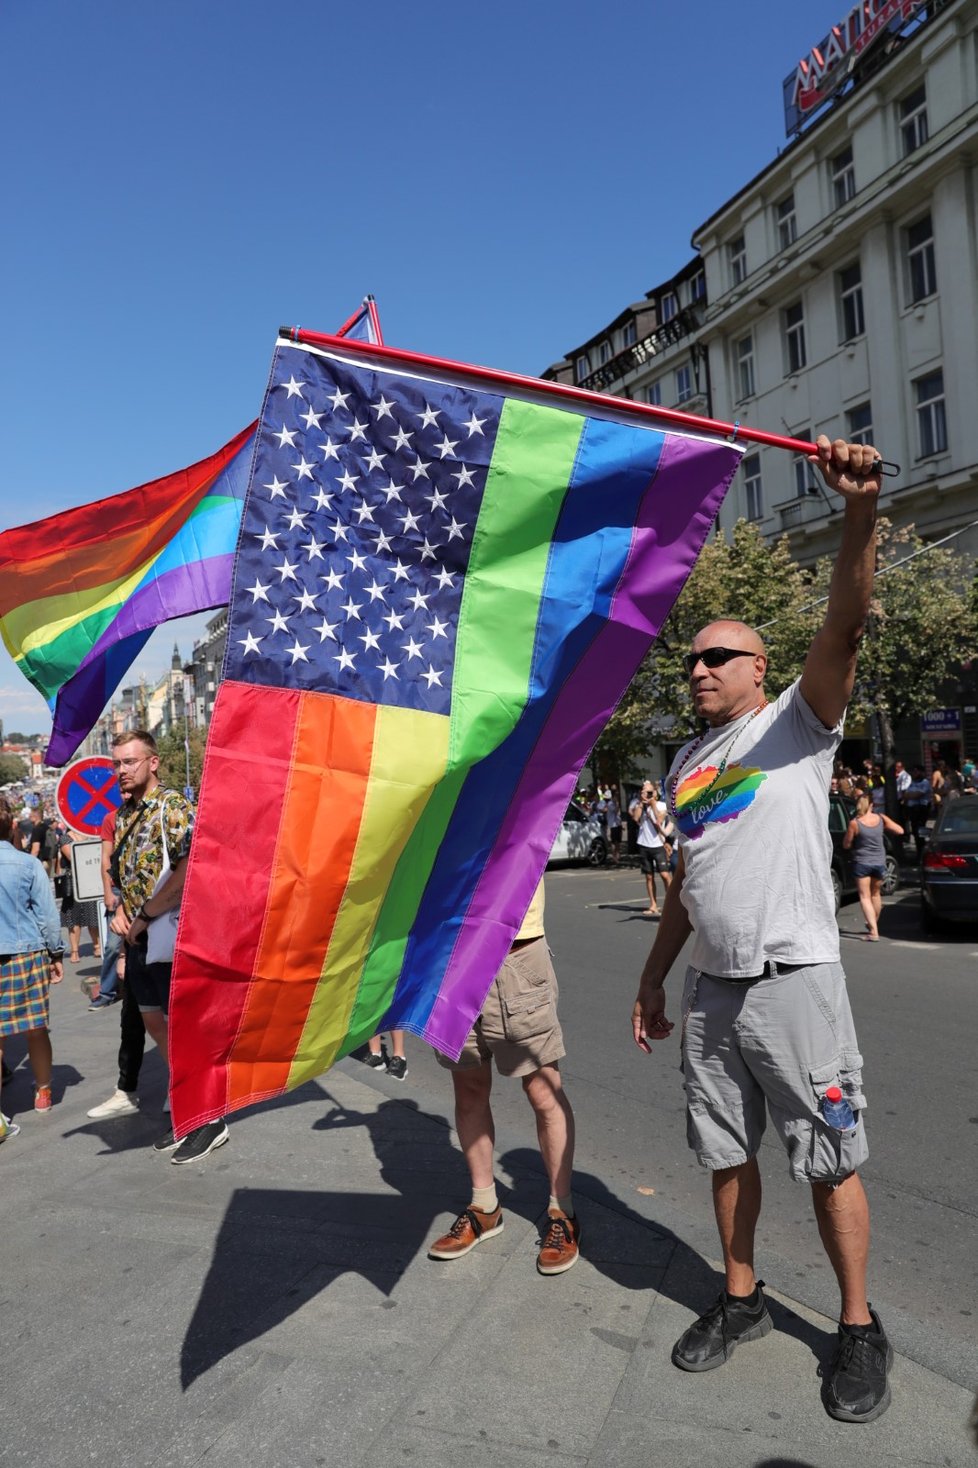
<point>665,543</point>
<point>180,592</point>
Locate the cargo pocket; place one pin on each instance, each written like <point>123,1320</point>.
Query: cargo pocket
<point>833,1155</point>
<point>844,1071</point>
<point>527,998</point>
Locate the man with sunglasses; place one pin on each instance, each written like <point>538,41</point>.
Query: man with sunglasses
<point>766,1023</point>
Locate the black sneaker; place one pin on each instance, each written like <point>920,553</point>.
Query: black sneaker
<point>374,1062</point>
<point>166,1143</point>
<point>200,1141</point>
<point>397,1067</point>
<point>855,1387</point>
<point>712,1340</point>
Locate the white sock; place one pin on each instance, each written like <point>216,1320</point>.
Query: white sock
<point>485,1199</point>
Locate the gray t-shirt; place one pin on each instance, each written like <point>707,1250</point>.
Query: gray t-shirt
<point>755,841</point>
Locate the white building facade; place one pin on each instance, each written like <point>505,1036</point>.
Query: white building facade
<point>843,294</point>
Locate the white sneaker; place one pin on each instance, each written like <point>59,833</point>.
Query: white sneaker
<point>120,1103</point>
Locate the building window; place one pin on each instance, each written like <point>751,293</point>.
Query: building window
<point>850,283</point>
<point>737,257</point>
<point>801,471</point>
<point>629,334</point>
<point>931,421</point>
<point>582,367</point>
<point>794,337</point>
<point>684,384</point>
<point>787,222</point>
<point>745,367</point>
<point>859,424</point>
<point>697,287</point>
<point>913,120</point>
<point>921,270</point>
<point>653,394</point>
<point>752,486</point>
<point>843,177</point>
<point>668,306</point>
<point>604,353</point>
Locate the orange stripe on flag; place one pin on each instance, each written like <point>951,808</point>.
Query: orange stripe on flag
<point>318,833</point>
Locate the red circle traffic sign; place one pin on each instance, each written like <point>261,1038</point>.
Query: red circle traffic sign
<point>87,792</point>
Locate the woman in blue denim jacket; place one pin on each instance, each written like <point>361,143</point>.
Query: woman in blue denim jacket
<point>30,956</point>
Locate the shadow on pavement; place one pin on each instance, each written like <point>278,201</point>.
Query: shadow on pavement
<point>278,1249</point>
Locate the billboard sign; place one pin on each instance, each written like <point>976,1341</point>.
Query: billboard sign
<point>828,65</point>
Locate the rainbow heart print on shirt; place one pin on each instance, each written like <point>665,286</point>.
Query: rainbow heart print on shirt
<point>702,797</point>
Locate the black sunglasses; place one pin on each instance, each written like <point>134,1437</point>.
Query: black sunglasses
<point>713,657</point>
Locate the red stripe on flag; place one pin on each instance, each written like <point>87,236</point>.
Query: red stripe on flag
<point>317,841</point>
<point>246,776</point>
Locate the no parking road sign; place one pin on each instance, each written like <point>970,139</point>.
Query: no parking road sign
<point>87,792</point>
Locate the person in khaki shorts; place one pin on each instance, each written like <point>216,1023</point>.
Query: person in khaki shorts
<point>519,1030</point>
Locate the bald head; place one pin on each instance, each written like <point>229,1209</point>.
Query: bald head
<point>730,634</point>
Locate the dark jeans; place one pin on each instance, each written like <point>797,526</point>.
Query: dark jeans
<point>133,1041</point>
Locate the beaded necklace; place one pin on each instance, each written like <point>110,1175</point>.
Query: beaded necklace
<point>674,783</point>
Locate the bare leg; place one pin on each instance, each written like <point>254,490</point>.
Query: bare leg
<point>866,903</point>
<point>650,888</point>
<point>555,1126</point>
<point>397,1043</point>
<point>373,1045</point>
<point>474,1123</point>
<point>73,936</point>
<point>843,1223</point>
<point>39,1050</point>
<point>876,892</point>
<point>737,1205</point>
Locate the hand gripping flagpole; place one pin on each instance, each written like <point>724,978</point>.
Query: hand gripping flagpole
<point>693,421</point>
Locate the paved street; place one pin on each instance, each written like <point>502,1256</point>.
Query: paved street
<point>275,1302</point>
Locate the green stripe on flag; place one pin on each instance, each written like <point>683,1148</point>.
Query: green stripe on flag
<point>526,485</point>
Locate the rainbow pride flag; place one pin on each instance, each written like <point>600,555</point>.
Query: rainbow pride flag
<point>82,591</point>
<point>443,587</point>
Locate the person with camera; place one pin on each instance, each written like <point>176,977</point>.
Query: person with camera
<point>651,817</point>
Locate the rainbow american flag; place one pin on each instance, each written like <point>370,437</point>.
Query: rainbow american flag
<point>444,583</point>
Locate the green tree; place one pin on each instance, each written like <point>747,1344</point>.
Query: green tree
<point>923,623</point>
<point>12,769</point>
<point>173,759</point>
<point>745,578</point>
<point>922,626</point>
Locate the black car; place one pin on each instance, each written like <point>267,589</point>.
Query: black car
<point>949,869</point>
<point>841,812</point>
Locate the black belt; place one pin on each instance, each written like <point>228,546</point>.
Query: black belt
<point>772,968</point>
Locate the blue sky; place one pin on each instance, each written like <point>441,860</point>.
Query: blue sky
<point>182,178</point>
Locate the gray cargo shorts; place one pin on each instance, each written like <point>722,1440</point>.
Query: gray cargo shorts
<point>773,1045</point>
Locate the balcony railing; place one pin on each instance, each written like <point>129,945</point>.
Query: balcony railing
<point>669,334</point>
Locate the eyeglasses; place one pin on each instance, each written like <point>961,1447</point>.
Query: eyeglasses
<point>713,657</point>
<point>129,764</point>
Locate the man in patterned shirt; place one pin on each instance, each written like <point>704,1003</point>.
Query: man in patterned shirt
<point>152,847</point>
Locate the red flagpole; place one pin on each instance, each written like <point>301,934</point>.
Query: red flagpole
<point>580,395</point>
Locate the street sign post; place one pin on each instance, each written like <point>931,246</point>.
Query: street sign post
<point>87,792</point>
<point>86,870</point>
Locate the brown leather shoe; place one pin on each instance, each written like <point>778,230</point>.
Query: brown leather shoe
<point>560,1244</point>
<point>470,1228</point>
